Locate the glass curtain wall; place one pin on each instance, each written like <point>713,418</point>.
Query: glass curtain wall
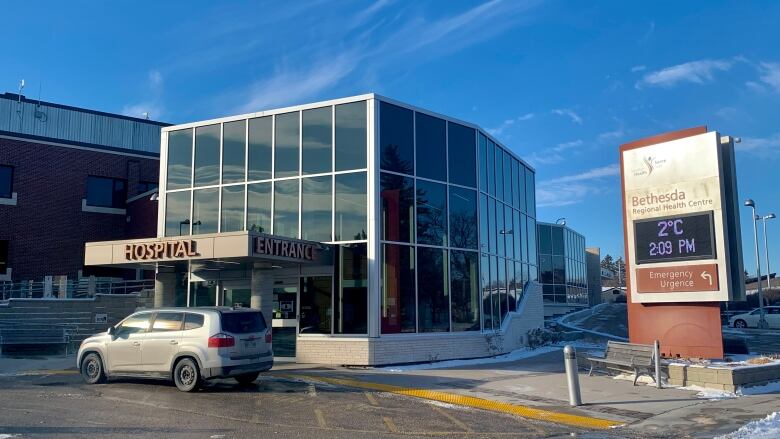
<point>300,174</point>
<point>437,249</point>
<point>562,265</point>
<point>507,231</point>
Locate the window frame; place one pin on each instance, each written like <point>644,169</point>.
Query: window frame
<point>10,193</point>
<point>114,204</point>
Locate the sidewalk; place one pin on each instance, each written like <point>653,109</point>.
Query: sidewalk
<point>539,383</point>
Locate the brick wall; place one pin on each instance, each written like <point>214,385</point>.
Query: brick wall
<point>47,228</point>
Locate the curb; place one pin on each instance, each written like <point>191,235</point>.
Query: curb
<point>471,401</point>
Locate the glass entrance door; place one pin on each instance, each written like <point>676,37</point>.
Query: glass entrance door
<point>285,318</point>
<point>235,293</point>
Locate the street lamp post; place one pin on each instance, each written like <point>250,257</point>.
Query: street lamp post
<point>762,319</point>
<point>766,249</point>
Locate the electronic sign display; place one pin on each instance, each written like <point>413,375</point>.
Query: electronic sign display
<point>675,238</point>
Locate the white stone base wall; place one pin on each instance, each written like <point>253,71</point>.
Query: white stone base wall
<point>416,348</point>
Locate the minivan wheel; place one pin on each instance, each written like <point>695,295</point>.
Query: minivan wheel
<point>186,375</point>
<point>92,369</point>
<point>247,378</point>
<point>740,324</point>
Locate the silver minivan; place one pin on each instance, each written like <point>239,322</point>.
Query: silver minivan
<point>188,345</point>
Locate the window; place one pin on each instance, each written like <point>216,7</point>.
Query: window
<point>520,187</point>
<point>233,151</point>
<point>203,293</point>
<point>232,208</point>
<point>133,325</point>
<point>500,230</point>
<point>315,305</point>
<point>495,292</point>
<point>205,211</point>
<point>502,287</point>
<point>431,146</point>
<point>179,159</point>
<point>509,232</point>
<point>351,136</point>
<point>498,171</point>
<point>259,148</point>
<point>244,322</point>
<point>463,217</point>
<point>492,233</point>
<point>462,155</point>
<point>351,206</point>
<point>4,256</point>
<point>106,192</point>
<point>546,267</point>
<point>396,138</point>
<point>398,289</point>
<point>6,181</point>
<point>507,178</point>
<point>490,171</point>
<point>484,230</point>
<point>464,288</point>
<point>177,213</point>
<point>286,208</point>
<point>316,208</point>
<point>146,186</point>
<point>286,156</point>
<point>557,240</point>
<point>545,239</point>
<point>483,159</point>
<point>397,195</point>
<point>431,213</point>
<point>258,207</point>
<point>167,321</point>
<point>317,140</point>
<point>192,321</point>
<point>487,306</point>
<point>531,240</point>
<point>433,295</point>
<point>530,193</point>
<point>206,155</point>
<point>351,313</point>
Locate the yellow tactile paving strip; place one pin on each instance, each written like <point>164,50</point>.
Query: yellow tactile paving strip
<point>470,401</point>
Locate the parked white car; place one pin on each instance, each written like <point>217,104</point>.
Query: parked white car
<point>750,319</point>
<point>187,345</point>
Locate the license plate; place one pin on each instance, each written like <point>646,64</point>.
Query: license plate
<point>250,344</point>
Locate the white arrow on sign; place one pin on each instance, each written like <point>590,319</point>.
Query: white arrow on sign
<point>707,276</point>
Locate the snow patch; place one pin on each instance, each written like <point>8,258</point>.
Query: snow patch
<point>446,405</point>
<point>770,387</point>
<point>710,394</point>
<point>767,428</point>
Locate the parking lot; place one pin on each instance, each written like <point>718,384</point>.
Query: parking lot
<point>57,403</point>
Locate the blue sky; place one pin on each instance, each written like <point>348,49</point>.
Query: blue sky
<point>561,83</point>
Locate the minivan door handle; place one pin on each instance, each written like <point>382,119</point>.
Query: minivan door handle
<point>136,343</point>
<point>174,342</point>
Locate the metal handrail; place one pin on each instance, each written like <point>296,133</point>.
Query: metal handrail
<point>72,288</point>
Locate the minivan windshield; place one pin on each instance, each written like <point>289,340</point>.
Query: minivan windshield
<point>243,322</point>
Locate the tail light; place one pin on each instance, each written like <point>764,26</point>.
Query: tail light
<point>221,341</point>
<point>268,336</point>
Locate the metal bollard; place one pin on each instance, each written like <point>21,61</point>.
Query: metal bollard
<point>657,358</point>
<point>572,375</point>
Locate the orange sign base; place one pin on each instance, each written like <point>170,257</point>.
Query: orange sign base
<point>686,330</point>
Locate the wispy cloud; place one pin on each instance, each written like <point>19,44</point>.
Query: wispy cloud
<point>638,68</point>
<point>609,136</point>
<point>152,107</point>
<point>764,147</point>
<point>696,72</point>
<point>499,130</point>
<point>549,156</point>
<point>769,78</point>
<point>575,188</point>
<point>568,112</point>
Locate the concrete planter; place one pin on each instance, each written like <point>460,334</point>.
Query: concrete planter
<point>723,378</point>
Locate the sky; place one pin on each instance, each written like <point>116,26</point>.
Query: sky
<point>562,84</point>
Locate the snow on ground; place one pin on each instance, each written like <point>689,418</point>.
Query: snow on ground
<point>446,405</point>
<point>512,356</point>
<point>767,428</point>
<point>604,320</point>
<point>771,387</point>
<point>711,394</point>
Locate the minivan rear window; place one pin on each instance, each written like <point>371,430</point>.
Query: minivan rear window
<point>243,322</point>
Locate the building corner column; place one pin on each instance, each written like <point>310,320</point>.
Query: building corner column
<point>262,291</point>
<point>164,287</point>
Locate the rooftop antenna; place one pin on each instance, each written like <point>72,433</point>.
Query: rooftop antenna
<point>40,115</point>
<point>145,114</point>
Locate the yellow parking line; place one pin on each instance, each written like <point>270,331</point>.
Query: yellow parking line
<point>320,418</point>
<point>370,398</point>
<point>471,401</point>
<point>390,424</point>
<point>454,420</point>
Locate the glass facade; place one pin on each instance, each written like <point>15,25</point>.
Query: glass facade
<point>452,210</point>
<point>562,265</point>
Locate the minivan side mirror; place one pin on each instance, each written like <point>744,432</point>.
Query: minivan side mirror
<point>111,330</point>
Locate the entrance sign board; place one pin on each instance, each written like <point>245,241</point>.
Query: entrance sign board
<point>679,213</point>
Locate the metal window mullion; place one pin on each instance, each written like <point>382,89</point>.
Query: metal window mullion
<point>300,172</point>
<point>219,188</point>
<point>333,176</point>
<point>414,236</point>
<point>192,182</point>
<point>479,230</point>
<point>273,173</point>
<point>447,214</point>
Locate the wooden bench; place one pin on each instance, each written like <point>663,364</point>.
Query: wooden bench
<point>33,336</point>
<point>637,358</point>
